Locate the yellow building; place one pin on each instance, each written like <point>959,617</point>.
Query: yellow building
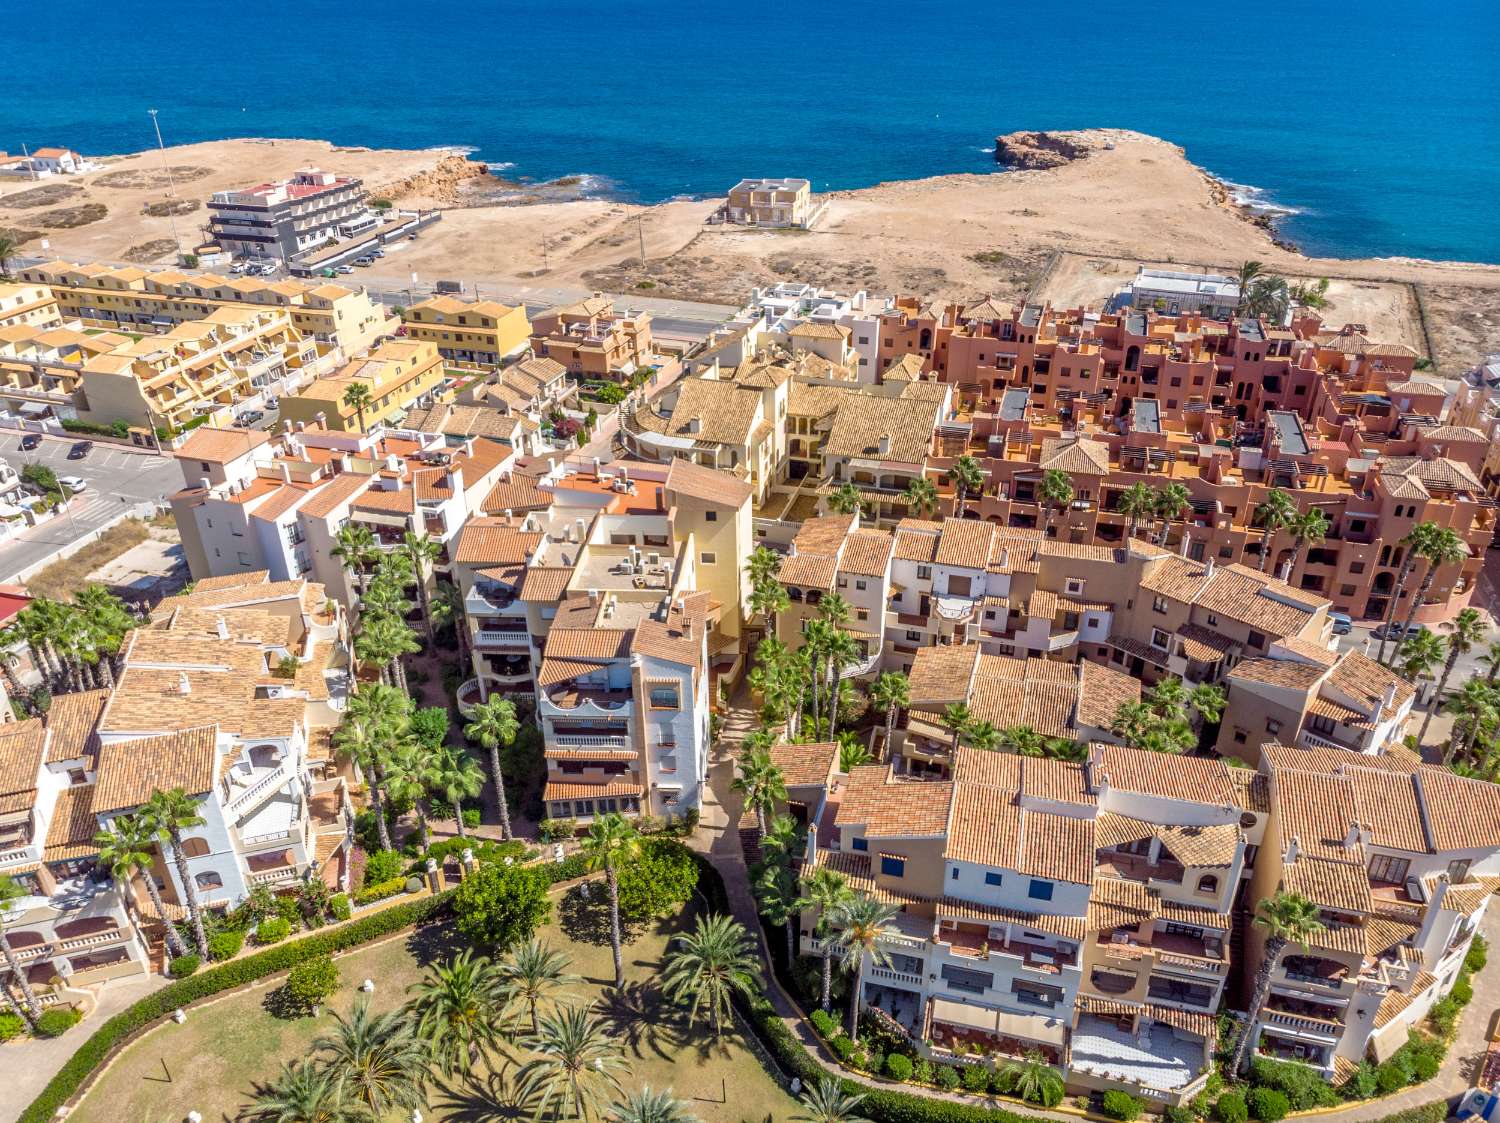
<point>396,373</point>
<point>482,331</point>
<point>30,305</point>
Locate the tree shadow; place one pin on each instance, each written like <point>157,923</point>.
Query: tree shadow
<point>478,1096</point>
<point>586,919</point>
<point>642,1019</point>
<point>434,943</point>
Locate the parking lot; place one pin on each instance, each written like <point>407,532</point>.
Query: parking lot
<point>115,479</point>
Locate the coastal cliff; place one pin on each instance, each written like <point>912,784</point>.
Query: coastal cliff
<point>442,182</point>
<point>1038,151</point>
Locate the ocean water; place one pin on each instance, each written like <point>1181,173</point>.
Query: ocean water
<point>1371,126</point>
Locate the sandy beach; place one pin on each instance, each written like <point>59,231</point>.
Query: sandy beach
<point>1067,234</point>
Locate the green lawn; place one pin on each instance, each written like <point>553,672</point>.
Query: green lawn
<point>211,1063</point>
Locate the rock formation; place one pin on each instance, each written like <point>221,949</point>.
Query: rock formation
<point>1034,151</point>
<point>440,182</point>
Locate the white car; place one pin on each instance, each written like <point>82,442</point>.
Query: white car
<point>75,484</point>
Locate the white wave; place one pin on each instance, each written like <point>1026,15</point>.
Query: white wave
<point>503,165</point>
<point>1256,199</point>
<point>457,149</point>
<point>990,151</point>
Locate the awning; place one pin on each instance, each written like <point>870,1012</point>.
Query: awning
<point>1026,1027</point>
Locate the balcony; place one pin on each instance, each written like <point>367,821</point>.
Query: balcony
<point>1133,867</point>
<point>586,702</point>
<point>591,741</point>
<point>504,638</point>
<point>885,974</point>
<point>482,600</point>
<point>972,942</point>
<point>244,792</point>
<point>910,932</point>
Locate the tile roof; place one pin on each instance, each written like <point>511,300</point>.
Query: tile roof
<point>1191,779</point>
<point>1058,781</point>
<point>1069,927</point>
<point>806,765</point>
<point>489,541</point>
<point>398,501</point>
<point>74,824</point>
<point>679,638</point>
<point>889,808</point>
<point>1284,673</point>
<point>1462,814</point>
<point>1334,884</point>
<point>220,446</point>
<point>965,543</point>
<point>129,771</point>
<point>989,827</point>
<point>592,644</point>
<point>1101,691</point>
<point>1252,788</point>
<point>942,674</point>
<point>543,583</point>
<point>867,553</point>
<point>1334,760</point>
<point>1367,682</point>
<point>73,724</point>
<point>22,747</point>
<point>917,540</point>
<point>708,485</point>
<point>340,489</point>
<point>580,790</point>
<point>1318,810</point>
<point>862,420</point>
<point>1075,456</point>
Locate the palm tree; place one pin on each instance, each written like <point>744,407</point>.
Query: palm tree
<point>834,609</point>
<point>358,398</point>
<point>845,499</point>
<point>1270,296</point>
<point>852,751</point>
<point>1208,700</point>
<point>126,848</point>
<point>447,606</point>
<point>422,550</point>
<point>783,842</point>
<point>841,650</point>
<point>763,565</point>
<point>776,893</point>
<point>1136,502</point>
<point>768,599</point>
<point>1246,276</point>
<point>108,622</point>
<point>1287,919</point>
<point>1444,548</point>
<point>861,921</point>
<point>382,641</point>
<point>921,496</point>
<point>708,967</point>
<point>458,1007</point>
<point>411,776</point>
<point>1416,541</point>
<point>300,1093</point>
<point>983,736</point>
<point>1022,740</point>
<point>1055,492</point>
<point>1473,706</point>
<point>1170,502</point>
<point>168,814</point>
<point>376,1061</point>
<point>1273,514</point>
<point>890,692</point>
<point>1468,630</point>
<point>968,477</point>
<point>376,720</point>
<point>10,892</point>
<point>816,636</point>
<point>354,546</point>
<point>761,783</point>
<point>8,246</point>
<point>647,1106</point>
<point>457,777</point>
<point>1307,528</point>
<point>1491,661</point>
<point>492,724</point>
<point>826,891</point>
<point>611,840</point>
<point>531,972</point>
<point>828,1102</point>
<point>957,718</point>
<point>575,1071</point>
<point>1034,1080</point>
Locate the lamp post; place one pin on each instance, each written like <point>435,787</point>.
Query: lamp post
<point>171,185</point>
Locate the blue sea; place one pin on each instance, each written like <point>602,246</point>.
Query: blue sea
<point>1374,124</point>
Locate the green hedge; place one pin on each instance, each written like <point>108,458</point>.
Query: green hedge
<point>1435,1112</point>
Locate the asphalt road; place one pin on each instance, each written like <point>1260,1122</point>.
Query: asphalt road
<point>116,479</point>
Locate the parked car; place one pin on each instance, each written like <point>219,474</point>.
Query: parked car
<point>238,267</point>
<point>346,269</point>
<point>80,450</point>
<point>1343,623</point>
<point>364,262</point>
<point>1394,630</point>
<point>449,288</point>
<point>30,441</point>
<point>377,252</point>
<point>75,484</point>
<point>273,402</point>
<point>251,417</point>
<point>269,269</point>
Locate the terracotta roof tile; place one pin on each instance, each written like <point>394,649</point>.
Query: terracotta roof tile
<point>543,583</point>
<point>806,765</point>
<point>220,446</point>
<point>74,824</point>
<point>129,771</point>
<point>340,489</point>
<point>1193,779</point>
<point>943,674</point>
<point>519,493</point>
<point>492,542</point>
<point>889,808</point>
<point>578,790</point>
<point>708,485</point>
<point>867,553</point>
<point>1075,456</point>
<point>22,747</point>
<point>965,543</point>
<point>73,724</point>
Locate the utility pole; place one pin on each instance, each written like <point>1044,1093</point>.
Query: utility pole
<point>171,186</point>
<point>641,234</point>
<point>30,167</point>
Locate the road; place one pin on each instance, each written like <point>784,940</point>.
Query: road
<point>116,479</point>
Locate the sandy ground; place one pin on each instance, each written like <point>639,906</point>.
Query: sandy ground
<point>1066,234</point>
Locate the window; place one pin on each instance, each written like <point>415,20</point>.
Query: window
<point>924,573</point>
<point>1241,736</point>
<point>1160,639</point>
<point>913,636</point>
<point>708,558</point>
<point>209,880</point>
<point>1390,870</point>
<point>1273,726</point>
<point>194,847</point>
<point>1458,870</point>
<point>860,843</point>
<point>1257,641</point>
<point>892,866</point>
<point>1159,604</point>
<point>975,982</point>
<point>992,878</point>
<point>1073,586</point>
<point>860,584</point>
<point>664,698</point>
<point>861,614</point>
<point>1040,890</point>
<point>711,516</point>
<point>1034,994</point>
<point>955,874</point>
<point>1208,883</point>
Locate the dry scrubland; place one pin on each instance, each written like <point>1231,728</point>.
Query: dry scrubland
<point>1075,230</point>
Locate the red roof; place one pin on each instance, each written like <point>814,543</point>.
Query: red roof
<point>13,598</point>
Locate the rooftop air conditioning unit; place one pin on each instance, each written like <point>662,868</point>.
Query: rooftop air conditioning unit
<point>653,559</point>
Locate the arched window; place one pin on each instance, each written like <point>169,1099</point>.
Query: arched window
<point>194,847</point>
<point>209,880</point>
<point>925,342</point>
<point>1208,883</point>
<point>1132,357</point>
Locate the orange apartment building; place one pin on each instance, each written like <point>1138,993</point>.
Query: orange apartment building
<point>594,340</point>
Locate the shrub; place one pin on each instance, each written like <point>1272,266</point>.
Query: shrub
<point>922,1071</point>
<point>947,1077</point>
<point>1444,1015</point>
<point>1231,1108</point>
<point>310,982</point>
<point>183,966</point>
<point>1268,1105</point>
<point>380,891</point>
<point>557,830</point>
<point>1463,990</point>
<point>1120,1105</point>
<point>286,908</point>
<point>1391,1076</point>
<point>1177,1113</point>
<point>658,881</point>
<point>1427,1113</point>
<point>225,944</point>
<point>1424,1066</point>
<point>338,905</point>
<point>873,1062</point>
<point>843,1047</point>
<point>501,905</point>
<point>12,1025</point>
<point>383,865</point>
<point>823,1022</point>
<point>57,1021</point>
<point>471,817</point>
<point>898,1067</point>
<point>1361,1086</point>
<point>272,930</point>
<point>1301,1085</point>
<point>1477,955</point>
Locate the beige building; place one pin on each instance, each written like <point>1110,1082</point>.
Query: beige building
<point>484,332</point>
<point>399,375</point>
<point>28,305</point>
<point>772,202</point>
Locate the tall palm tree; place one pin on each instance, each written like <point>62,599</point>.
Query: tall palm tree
<point>376,721</point>
<point>763,565</point>
<point>377,1061</point>
<point>834,609</point>
<point>168,814</point>
<point>301,1093</point>
<point>612,840</point>
<point>825,891</point>
<point>531,972</point>
<point>458,1008</point>
<point>1490,660</point>
<point>647,1106</point>
<point>828,1102</point>
<point>10,892</point>
<point>1208,700</point>
<point>957,718</point>
<point>1467,630</point>
<point>1273,514</point>
<point>447,607</point>
<point>1444,548</point>
<point>1169,502</point>
<point>783,842</point>
<point>1245,277</point>
<point>492,724</point>
<point>841,650</point>
<point>769,599</point>
<point>410,777</point>
<point>708,967</point>
<point>1136,502</point>
<point>816,636</point>
<point>890,692</point>
<point>358,398</point>
<point>126,848</point>
<point>383,641</point>
<point>762,784</point>
<point>1032,1079</point>
<point>8,246</point>
<point>852,751</point>
<point>776,893</point>
<point>1307,528</point>
<point>861,922</point>
<point>575,1071</point>
<point>108,622</point>
<point>457,776</point>
<point>983,736</point>
<point>968,477</point>
<point>1416,542</point>
<point>845,499</point>
<point>422,550</point>
<point>1055,492</point>
<point>921,496</point>
<point>354,546</point>
<point>1474,706</point>
<point>1287,919</point>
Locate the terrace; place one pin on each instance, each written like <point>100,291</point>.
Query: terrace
<point>1160,1057</point>
<point>980,943</point>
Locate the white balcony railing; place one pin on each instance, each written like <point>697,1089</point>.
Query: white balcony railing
<point>270,782</point>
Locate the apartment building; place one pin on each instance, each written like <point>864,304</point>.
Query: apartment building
<point>772,202</point>
<point>27,305</point>
<point>483,332</point>
<point>594,340</point>
<point>772,314</point>
<point>399,374</point>
<point>40,366</point>
<point>1171,291</point>
<point>209,701</point>
<point>104,296</point>
<point>283,218</point>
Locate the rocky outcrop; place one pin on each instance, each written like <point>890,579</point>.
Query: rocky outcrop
<point>441,182</point>
<point>1035,151</point>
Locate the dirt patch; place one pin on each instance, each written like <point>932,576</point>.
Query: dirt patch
<point>17,235</point>
<point>62,579</point>
<point>171,207</point>
<point>137,178</point>
<point>67,218</point>
<point>147,252</point>
<point>41,196</point>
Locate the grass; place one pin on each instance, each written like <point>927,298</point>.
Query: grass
<point>211,1063</point>
<point>62,578</point>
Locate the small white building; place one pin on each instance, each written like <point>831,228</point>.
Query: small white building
<point>1171,292</point>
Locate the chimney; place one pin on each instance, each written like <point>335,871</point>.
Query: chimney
<point>223,630</point>
<point>204,482</point>
<point>393,463</point>
<point>286,426</point>
<point>1430,917</point>
<point>508,514</point>
<point>596,467</point>
<point>301,426</point>
<point>885,444</point>
<point>1293,848</point>
<point>792,550</point>
<point>1102,785</point>
<point>695,424</point>
<point>593,597</point>
<point>1352,838</point>
<point>1088,774</point>
<point>579,527</point>
<point>183,685</point>
<point>286,471</point>
<point>1183,549</point>
<point>1286,571</point>
<point>1208,567</point>
<point>321,419</point>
